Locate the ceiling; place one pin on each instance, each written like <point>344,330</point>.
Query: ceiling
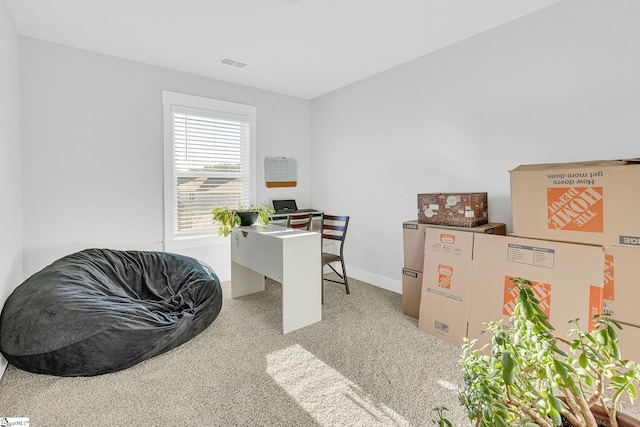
<point>304,48</point>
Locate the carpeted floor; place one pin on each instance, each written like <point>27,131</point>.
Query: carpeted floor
<point>365,364</point>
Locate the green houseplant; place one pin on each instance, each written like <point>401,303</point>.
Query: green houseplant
<point>230,217</point>
<point>528,377</point>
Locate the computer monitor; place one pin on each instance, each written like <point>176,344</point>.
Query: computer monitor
<point>285,205</point>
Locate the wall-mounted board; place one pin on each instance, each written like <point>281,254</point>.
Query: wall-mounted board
<point>280,172</point>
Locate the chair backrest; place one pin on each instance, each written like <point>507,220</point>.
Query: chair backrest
<point>300,221</point>
<point>334,227</point>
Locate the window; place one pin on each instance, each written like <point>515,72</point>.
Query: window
<point>209,162</point>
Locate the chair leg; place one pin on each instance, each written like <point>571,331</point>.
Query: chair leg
<point>344,276</point>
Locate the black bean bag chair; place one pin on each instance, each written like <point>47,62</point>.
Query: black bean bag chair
<point>99,311</point>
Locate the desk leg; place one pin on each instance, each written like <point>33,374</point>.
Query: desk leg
<point>301,284</point>
<point>245,281</point>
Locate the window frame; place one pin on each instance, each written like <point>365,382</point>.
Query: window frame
<point>172,241</point>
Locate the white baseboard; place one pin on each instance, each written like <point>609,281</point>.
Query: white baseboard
<point>372,279</point>
<point>376,280</point>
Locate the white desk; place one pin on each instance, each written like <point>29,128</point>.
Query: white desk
<point>292,257</point>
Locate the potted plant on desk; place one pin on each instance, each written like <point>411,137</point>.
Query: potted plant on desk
<point>229,218</point>
<point>529,377</point>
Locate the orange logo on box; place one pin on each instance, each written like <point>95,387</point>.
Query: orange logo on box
<point>445,273</point>
<point>609,275</point>
<point>448,238</point>
<point>596,305</point>
<point>575,209</point>
<point>542,292</point>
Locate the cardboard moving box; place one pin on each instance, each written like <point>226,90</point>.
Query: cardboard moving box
<point>446,283</point>
<point>413,240</point>
<point>413,244</point>
<point>456,209</point>
<point>411,292</point>
<point>488,228</point>
<point>621,286</point>
<point>568,280</point>
<point>629,342</point>
<point>588,202</point>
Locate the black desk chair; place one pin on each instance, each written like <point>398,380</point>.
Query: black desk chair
<point>300,221</point>
<point>334,228</point>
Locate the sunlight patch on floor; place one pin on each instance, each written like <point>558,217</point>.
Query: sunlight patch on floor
<point>326,395</point>
<point>449,385</point>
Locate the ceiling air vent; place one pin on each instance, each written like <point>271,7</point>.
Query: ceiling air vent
<point>232,62</point>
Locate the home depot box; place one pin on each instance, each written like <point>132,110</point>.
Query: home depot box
<point>588,202</point>
<point>568,280</point>
<point>413,240</point>
<point>488,228</point>
<point>413,244</point>
<point>457,209</point>
<point>629,342</point>
<point>621,286</point>
<point>446,283</point>
<point>411,289</point>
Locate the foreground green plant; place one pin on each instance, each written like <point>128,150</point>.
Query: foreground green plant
<point>442,421</point>
<point>529,377</point>
<point>227,217</point>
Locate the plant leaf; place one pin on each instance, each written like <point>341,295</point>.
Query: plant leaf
<point>583,360</point>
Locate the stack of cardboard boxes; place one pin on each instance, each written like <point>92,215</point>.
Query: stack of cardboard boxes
<point>458,213</point>
<point>413,233</point>
<point>575,237</point>
<point>413,245</point>
<point>455,209</point>
<point>590,203</point>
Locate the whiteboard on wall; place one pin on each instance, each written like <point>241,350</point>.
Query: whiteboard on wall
<point>280,172</point>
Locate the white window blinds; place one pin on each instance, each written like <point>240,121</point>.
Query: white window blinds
<point>211,166</point>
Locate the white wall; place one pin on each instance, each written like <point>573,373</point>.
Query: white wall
<point>558,85</point>
<point>92,147</point>
<point>10,163</point>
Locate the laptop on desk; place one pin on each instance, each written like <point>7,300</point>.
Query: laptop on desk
<point>289,206</point>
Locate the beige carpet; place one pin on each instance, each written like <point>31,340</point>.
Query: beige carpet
<point>365,364</point>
